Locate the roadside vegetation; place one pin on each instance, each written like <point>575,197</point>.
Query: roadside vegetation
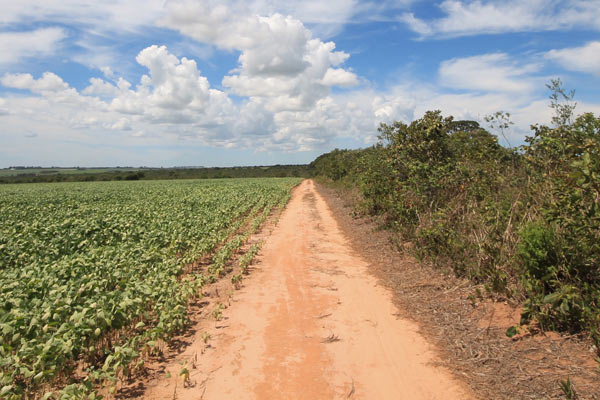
<point>38,175</point>
<point>524,222</point>
<point>96,277</point>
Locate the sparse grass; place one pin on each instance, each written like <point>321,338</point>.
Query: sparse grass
<point>568,389</point>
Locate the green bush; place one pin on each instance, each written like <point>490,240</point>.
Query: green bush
<point>538,254</point>
<point>525,222</point>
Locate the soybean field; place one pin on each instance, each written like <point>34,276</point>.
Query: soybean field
<point>93,276</point>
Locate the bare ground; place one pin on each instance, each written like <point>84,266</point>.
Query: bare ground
<point>310,322</point>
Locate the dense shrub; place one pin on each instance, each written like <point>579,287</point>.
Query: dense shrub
<point>525,222</point>
<point>565,175</point>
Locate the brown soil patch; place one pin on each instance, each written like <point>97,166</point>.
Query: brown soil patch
<point>498,315</point>
<point>468,331</point>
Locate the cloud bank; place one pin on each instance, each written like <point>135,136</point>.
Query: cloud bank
<point>289,89</point>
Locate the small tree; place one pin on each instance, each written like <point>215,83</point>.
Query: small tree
<point>500,120</point>
<point>562,103</point>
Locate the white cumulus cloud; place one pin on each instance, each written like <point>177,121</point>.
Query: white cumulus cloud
<point>280,60</point>
<point>111,16</point>
<point>339,77</point>
<point>495,72</point>
<point>15,46</point>
<point>462,18</point>
<point>48,83</point>
<point>101,88</point>
<point>585,58</point>
<point>283,93</point>
<point>174,98</point>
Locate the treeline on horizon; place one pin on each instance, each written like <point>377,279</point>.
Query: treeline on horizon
<point>524,222</point>
<point>272,171</point>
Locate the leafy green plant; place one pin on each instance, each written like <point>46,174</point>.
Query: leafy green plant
<point>184,372</point>
<point>97,275</point>
<point>512,331</point>
<point>568,389</point>
<point>236,280</point>
<point>217,312</point>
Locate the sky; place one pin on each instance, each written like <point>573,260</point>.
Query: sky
<point>259,82</point>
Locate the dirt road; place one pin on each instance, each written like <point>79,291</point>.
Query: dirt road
<point>309,323</point>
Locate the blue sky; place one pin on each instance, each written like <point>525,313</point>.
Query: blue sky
<point>220,83</point>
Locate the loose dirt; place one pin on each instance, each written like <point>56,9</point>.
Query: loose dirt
<point>309,323</point>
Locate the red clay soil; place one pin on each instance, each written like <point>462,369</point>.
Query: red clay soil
<point>309,323</point>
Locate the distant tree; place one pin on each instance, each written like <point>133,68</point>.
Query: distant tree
<point>562,103</point>
<point>500,120</point>
<point>463,126</point>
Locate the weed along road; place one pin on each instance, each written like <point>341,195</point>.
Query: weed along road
<point>309,323</point>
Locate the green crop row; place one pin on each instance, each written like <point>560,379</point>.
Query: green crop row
<point>92,274</point>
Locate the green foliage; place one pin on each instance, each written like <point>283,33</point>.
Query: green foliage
<point>568,389</point>
<point>524,222</point>
<point>337,164</point>
<point>512,331</point>
<point>561,102</point>
<point>565,164</point>
<point>97,274</point>
<point>551,298</point>
<point>539,257</point>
